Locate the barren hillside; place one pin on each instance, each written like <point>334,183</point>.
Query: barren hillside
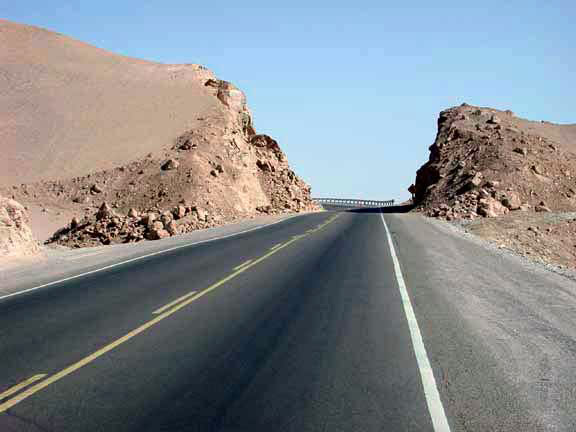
<point>80,127</point>
<point>69,108</point>
<point>486,162</point>
<point>514,178</point>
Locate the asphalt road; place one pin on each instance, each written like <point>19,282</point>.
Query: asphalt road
<point>300,326</point>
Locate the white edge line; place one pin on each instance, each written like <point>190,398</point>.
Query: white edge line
<point>435,407</point>
<point>27,290</point>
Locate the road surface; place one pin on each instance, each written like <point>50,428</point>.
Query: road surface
<point>335,321</point>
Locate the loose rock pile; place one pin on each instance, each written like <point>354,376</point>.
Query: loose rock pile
<point>107,226</point>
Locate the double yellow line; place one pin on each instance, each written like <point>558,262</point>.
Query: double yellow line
<point>20,386</point>
<point>32,385</point>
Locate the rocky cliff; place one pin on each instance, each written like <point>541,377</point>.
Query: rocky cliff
<point>486,163</point>
<point>127,149</point>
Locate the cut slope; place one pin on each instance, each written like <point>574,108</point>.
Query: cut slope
<point>487,162</point>
<point>81,127</point>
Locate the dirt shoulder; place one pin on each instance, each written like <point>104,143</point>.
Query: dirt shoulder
<point>547,238</point>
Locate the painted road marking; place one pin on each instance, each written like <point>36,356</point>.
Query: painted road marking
<point>169,305</point>
<point>243,264</point>
<point>191,297</point>
<point>20,386</point>
<point>276,246</point>
<point>229,277</point>
<point>138,258</point>
<point>322,225</point>
<point>89,359</point>
<point>435,407</point>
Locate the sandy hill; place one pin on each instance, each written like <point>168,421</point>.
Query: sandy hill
<point>80,126</point>
<point>69,108</point>
<point>486,162</point>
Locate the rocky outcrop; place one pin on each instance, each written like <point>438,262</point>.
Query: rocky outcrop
<point>16,238</point>
<point>209,176</point>
<point>191,140</point>
<point>485,162</point>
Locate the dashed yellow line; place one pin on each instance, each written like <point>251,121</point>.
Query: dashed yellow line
<point>20,386</point>
<point>276,246</point>
<point>243,264</point>
<point>323,224</point>
<point>169,305</point>
<point>163,313</point>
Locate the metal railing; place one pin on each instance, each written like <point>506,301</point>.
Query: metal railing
<point>343,202</point>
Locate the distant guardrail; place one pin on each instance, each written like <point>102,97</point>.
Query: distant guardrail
<point>343,202</point>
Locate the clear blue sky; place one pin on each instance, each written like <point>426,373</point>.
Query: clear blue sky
<point>351,90</point>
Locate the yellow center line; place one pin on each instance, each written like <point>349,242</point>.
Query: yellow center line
<point>89,359</point>
<point>169,305</point>
<point>323,224</point>
<point>20,386</point>
<point>276,246</point>
<point>243,264</point>
<point>163,314</point>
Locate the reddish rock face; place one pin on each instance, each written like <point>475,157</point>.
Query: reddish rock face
<point>486,162</point>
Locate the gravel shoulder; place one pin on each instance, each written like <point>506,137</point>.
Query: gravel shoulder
<point>500,330</point>
<point>546,240</point>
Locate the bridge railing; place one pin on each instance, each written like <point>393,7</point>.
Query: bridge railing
<point>343,202</point>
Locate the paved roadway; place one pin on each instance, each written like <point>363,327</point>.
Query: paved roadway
<point>300,326</point>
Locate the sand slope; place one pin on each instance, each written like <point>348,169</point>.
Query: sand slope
<point>165,149</point>
<point>68,108</point>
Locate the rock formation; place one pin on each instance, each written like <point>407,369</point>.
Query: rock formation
<point>16,238</point>
<point>485,162</point>
<point>139,136</point>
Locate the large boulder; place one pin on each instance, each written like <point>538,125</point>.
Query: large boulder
<point>512,201</point>
<point>179,211</point>
<point>157,231</point>
<point>489,207</point>
<point>105,212</point>
<point>170,164</point>
<point>16,238</point>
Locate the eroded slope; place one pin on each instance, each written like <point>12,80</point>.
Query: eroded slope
<point>486,162</point>
<point>83,129</point>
